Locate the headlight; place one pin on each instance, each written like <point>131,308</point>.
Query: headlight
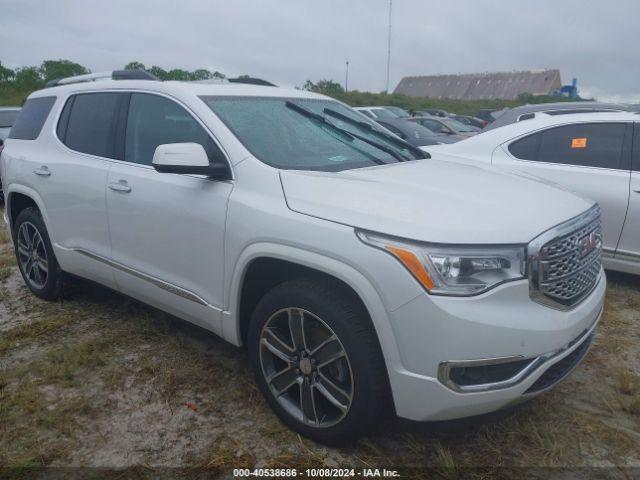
<point>457,270</point>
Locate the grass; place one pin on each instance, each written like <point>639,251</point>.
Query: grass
<point>54,318</point>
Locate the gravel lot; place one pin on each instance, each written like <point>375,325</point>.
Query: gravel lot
<point>99,380</point>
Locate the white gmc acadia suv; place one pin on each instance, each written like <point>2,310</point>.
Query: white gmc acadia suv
<point>361,276</point>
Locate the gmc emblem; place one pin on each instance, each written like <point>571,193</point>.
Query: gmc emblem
<point>589,243</point>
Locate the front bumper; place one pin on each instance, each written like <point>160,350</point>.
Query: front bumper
<point>503,323</point>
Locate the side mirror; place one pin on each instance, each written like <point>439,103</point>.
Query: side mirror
<point>187,159</point>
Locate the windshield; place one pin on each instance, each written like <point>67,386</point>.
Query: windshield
<point>287,138</point>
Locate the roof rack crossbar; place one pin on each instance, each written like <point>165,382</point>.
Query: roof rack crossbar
<point>113,75</point>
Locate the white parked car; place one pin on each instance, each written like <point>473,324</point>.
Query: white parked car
<point>596,155</point>
<point>361,277</point>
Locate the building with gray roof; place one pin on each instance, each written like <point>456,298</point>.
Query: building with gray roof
<point>482,86</point>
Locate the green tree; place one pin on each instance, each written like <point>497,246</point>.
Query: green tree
<point>159,72</point>
<point>201,74</point>
<point>28,77</point>
<point>135,66</point>
<point>326,87</point>
<point>52,69</point>
<point>178,74</point>
<point>6,74</point>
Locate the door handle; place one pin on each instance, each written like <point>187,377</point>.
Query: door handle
<point>120,186</point>
<point>637,191</point>
<point>43,171</point>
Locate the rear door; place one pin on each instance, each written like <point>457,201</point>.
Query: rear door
<point>590,159</point>
<point>629,247</point>
<point>76,185</point>
<point>167,230</point>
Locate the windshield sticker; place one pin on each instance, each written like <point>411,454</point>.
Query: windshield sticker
<point>578,143</point>
<point>338,158</point>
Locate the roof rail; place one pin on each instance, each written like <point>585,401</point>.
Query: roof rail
<point>252,81</point>
<point>114,75</point>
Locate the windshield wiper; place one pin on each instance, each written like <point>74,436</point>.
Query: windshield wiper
<point>320,118</point>
<point>369,128</point>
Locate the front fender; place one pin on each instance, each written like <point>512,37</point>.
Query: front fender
<point>357,281</point>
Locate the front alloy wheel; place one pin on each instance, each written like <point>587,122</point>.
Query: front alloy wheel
<point>306,367</point>
<point>317,360</point>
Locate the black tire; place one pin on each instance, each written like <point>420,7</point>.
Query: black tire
<point>51,288</point>
<point>370,394</point>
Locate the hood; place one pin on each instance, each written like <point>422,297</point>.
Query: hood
<point>433,201</point>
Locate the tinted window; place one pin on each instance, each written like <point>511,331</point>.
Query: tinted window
<point>92,123</point>
<point>590,145</point>
<point>526,148</point>
<point>7,117</point>
<point>155,120</point>
<point>32,117</point>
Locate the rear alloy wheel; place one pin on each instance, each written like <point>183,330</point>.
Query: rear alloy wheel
<point>317,360</point>
<point>36,260</point>
<point>32,255</point>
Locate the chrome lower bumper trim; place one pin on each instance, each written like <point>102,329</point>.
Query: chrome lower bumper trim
<point>445,368</point>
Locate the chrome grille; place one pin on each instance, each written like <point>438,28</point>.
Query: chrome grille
<point>565,263</point>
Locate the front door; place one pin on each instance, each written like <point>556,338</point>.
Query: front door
<point>167,230</point>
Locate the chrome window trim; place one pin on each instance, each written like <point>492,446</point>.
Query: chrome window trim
<point>444,369</point>
<point>533,257</point>
<point>65,99</point>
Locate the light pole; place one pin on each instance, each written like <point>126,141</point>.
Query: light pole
<point>389,46</point>
<point>346,79</point>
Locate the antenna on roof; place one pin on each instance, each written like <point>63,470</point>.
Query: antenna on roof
<point>114,75</point>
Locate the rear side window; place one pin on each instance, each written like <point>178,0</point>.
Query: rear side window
<point>526,148</point>
<point>602,145</point>
<point>88,123</point>
<point>31,119</point>
<point>588,145</point>
<point>154,120</point>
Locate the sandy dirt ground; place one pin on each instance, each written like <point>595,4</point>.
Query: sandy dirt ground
<point>99,380</point>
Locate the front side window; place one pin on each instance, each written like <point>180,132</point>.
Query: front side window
<point>31,119</point>
<point>154,120</point>
<point>88,123</point>
<point>601,145</point>
<point>283,137</point>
